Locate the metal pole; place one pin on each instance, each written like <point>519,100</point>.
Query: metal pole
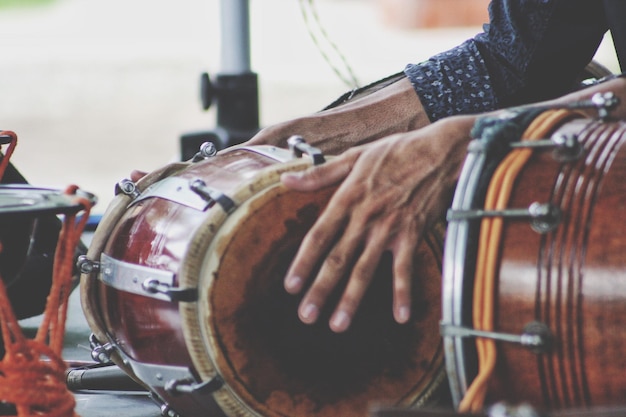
<point>235,90</point>
<point>235,32</point>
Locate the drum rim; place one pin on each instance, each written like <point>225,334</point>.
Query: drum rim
<point>203,348</point>
<point>200,345</point>
<point>52,201</point>
<point>454,279</point>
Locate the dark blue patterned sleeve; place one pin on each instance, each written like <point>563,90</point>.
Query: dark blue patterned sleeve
<point>453,82</point>
<point>531,50</point>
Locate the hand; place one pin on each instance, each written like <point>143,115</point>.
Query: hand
<point>136,175</point>
<point>390,191</point>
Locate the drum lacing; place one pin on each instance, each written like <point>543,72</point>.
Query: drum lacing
<point>32,373</point>
<point>498,194</point>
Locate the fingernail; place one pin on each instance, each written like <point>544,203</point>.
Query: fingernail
<point>403,314</point>
<point>293,284</point>
<point>340,321</point>
<point>309,313</point>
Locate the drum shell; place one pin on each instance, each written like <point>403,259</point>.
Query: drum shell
<point>155,232</point>
<point>572,279</point>
<point>569,279</point>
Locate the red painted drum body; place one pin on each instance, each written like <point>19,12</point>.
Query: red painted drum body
<point>186,296</point>
<point>561,272</point>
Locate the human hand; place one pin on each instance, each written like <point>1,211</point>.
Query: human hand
<point>390,191</point>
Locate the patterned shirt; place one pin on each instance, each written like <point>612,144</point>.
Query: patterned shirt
<point>531,50</point>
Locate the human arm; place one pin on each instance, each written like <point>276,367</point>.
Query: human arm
<point>389,192</point>
<point>392,109</point>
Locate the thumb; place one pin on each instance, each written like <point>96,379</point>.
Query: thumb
<point>316,177</point>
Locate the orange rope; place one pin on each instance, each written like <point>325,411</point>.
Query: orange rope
<point>7,155</point>
<point>498,194</point>
<point>32,373</point>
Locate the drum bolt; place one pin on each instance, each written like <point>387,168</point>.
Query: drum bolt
<point>152,286</point>
<point>87,266</point>
<point>544,217</point>
<point>173,387</point>
<point>102,354</point>
<point>187,386</point>
<point>127,187</point>
<point>177,387</point>
<point>537,337</point>
<point>208,149</point>
<point>99,352</point>
<point>539,210</point>
<point>166,411</point>
<point>568,148</point>
<point>604,103</point>
<point>566,141</point>
<point>298,146</point>
<point>211,195</point>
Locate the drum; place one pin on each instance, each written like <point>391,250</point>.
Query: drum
<point>183,290</point>
<point>29,231</point>
<point>534,288</point>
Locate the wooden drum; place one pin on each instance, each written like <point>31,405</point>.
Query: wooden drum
<point>186,296</point>
<point>534,284</point>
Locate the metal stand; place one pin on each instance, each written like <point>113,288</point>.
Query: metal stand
<point>235,89</point>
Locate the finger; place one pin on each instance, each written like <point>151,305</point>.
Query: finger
<point>334,268</point>
<point>403,276</point>
<point>360,279</point>
<point>315,245</point>
<point>320,237</point>
<point>316,177</point>
<point>136,175</point>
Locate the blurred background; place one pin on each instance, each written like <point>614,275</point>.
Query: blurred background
<point>97,88</point>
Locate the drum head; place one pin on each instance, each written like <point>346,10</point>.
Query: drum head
<point>245,330</point>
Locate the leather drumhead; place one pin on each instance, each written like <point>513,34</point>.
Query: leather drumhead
<point>244,328</point>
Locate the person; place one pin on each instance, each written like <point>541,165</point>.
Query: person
<point>399,149</point>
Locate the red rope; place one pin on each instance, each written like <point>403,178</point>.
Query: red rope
<point>32,373</point>
<point>7,154</point>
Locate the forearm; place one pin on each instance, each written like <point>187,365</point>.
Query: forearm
<point>393,109</point>
<point>616,86</point>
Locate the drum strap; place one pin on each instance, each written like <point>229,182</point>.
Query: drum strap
<point>366,90</point>
<point>498,194</point>
<point>32,373</point>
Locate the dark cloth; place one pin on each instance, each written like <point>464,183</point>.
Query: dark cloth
<point>616,17</point>
<point>531,50</point>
